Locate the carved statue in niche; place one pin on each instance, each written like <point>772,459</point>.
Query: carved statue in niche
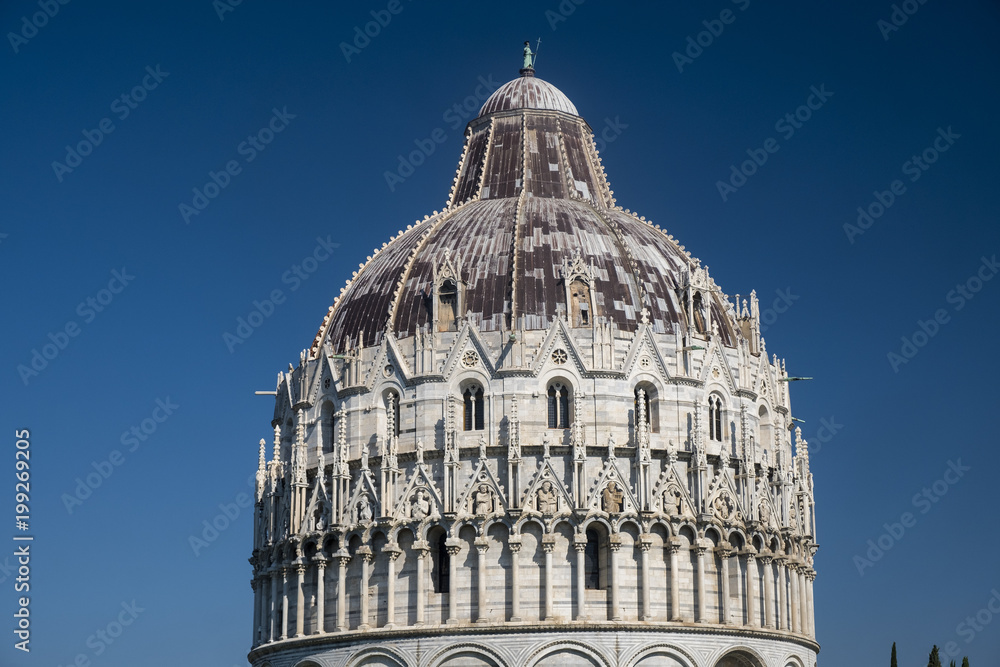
<point>364,509</point>
<point>482,446</point>
<point>673,501</point>
<point>420,452</point>
<point>723,506</point>
<point>420,505</point>
<point>611,445</point>
<point>545,498</point>
<point>546,443</point>
<point>764,512</point>
<point>482,500</point>
<point>612,498</point>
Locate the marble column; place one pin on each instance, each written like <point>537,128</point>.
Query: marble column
<point>675,582</point>
<point>482,604</point>
<point>803,602</point>
<point>580,544</point>
<point>548,544</point>
<point>782,593</point>
<point>284,603</point>
<point>273,605</point>
<point>811,615</point>
<point>515,568</point>
<point>752,589</point>
<point>615,543</point>
<point>725,613</point>
<point>422,549</point>
<point>793,595</point>
<point>454,547</point>
<point>766,560</point>
<point>366,561</point>
<point>300,603</point>
<point>645,542</point>
<point>701,549</point>
<point>256,584</point>
<point>390,586</point>
<point>320,594</point>
<point>342,560</point>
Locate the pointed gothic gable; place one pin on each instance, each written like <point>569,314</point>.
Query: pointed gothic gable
<point>764,384</point>
<point>558,337</point>
<point>611,473</point>
<point>420,480</point>
<point>716,361</point>
<point>388,354</point>
<point>722,499</point>
<point>668,488</point>
<point>546,474</point>
<point>364,488</point>
<point>483,481</point>
<point>318,508</point>
<point>643,345</point>
<point>765,512</point>
<point>468,339</point>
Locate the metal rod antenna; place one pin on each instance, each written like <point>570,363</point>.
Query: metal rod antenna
<point>534,60</point>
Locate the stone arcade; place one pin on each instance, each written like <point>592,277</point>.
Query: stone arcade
<point>532,430</point>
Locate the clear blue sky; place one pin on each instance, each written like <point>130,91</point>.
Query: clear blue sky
<point>673,135</point>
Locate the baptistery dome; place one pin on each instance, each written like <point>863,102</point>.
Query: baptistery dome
<point>532,430</point>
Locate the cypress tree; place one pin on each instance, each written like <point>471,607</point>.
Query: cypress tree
<point>934,660</point>
<point>965,661</point>
<point>892,661</point>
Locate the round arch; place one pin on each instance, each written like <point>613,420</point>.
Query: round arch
<point>742,656</point>
<point>468,654</point>
<point>660,655</point>
<point>377,656</point>
<point>567,654</point>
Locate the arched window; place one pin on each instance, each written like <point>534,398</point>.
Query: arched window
<point>650,407</point>
<point>592,560</point>
<point>473,402</point>
<point>580,308</point>
<point>715,418</point>
<point>329,432</point>
<point>699,312</point>
<point>441,564</point>
<point>448,306</point>
<point>764,428</point>
<point>558,405</point>
<point>392,412</point>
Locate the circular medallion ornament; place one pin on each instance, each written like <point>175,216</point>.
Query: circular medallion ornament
<point>645,362</point>
<point>470,359</point>
<point>326,382</point>
<point>388,370</point>
<point>560,356</point>
<point>715,372</point>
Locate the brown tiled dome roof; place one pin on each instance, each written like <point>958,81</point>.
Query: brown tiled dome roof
<point>530,197</point>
